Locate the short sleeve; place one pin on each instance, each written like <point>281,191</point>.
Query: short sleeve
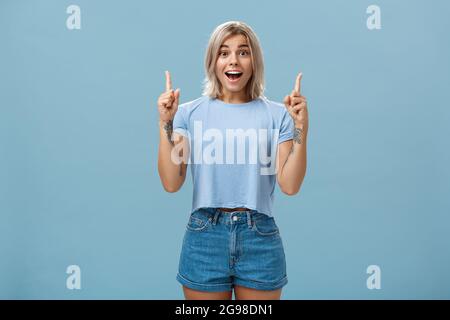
<point>286,127</point>
<point>180,121</point>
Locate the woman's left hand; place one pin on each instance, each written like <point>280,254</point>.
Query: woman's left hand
<point>297,106</point>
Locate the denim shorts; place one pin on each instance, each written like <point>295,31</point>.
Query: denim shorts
<point>221,249</point>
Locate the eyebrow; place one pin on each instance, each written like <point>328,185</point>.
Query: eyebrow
<point>240,46</point>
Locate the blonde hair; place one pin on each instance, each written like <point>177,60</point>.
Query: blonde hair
<point>212,85</point>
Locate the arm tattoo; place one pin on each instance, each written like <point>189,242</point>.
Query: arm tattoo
<point>298,135</point>
<point>168,128</point>
<point>297,138</point>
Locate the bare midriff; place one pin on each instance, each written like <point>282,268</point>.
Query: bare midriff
<point>234,209</point>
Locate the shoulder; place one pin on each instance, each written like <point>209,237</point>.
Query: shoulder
<point>277,108</point>
<point>191,105</point>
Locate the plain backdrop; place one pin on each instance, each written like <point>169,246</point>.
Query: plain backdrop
<point>79,139</point>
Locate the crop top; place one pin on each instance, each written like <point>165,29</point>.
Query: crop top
<point>233,150</point>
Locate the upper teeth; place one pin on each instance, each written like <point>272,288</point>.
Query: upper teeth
<point>234,72</point>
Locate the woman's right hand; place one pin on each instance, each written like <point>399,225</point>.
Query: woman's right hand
<point>168,101</point>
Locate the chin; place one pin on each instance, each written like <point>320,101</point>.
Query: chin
<point>235,89</point>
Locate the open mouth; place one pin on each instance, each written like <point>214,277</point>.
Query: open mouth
<point>233,75</point>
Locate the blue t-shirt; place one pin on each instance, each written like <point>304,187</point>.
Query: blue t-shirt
<point>233,150</point>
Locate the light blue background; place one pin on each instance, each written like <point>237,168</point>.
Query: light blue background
<point>79,140</point>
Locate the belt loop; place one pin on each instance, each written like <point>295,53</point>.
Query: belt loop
<point>216,215</point>
<point>249,219</point>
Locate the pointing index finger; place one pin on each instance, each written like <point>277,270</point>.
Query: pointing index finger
<point>168,81</point>
<point>297,82</point>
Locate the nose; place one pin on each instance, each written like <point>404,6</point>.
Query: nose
<point>233,60</point>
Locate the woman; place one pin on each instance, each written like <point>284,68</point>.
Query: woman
<point>231,239</point>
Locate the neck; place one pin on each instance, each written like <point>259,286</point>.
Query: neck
<point>234,97</point>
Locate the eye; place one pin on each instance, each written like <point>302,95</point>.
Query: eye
<point>244,52</point>
<point>223,53</point>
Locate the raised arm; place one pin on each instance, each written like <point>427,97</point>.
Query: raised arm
<point>291,162</point>
<point>173,149</point>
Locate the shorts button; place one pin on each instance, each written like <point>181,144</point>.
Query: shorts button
<point>235,218</point>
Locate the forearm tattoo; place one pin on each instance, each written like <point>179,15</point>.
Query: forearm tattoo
<point>298,135</point>
<point>168,128</point>
<point>297,139</point>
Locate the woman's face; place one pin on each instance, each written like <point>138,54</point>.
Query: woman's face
<point>234,64</point>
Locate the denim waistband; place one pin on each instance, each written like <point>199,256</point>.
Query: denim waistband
<point>232,217</point>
